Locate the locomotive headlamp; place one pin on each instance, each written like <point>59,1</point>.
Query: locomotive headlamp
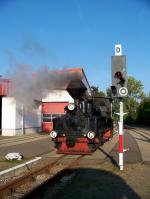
<point>91,135</point>
<point>53,134</point>
<point>71,107</point>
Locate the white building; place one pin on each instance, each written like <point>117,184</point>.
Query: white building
<point>15,119</point>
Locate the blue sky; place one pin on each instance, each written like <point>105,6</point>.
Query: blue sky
<point>77,33</point>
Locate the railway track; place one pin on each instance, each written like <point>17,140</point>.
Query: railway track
<point>18,187</point>
<point>35,193</point>
<point>34,181</point>
<point>141,132</point>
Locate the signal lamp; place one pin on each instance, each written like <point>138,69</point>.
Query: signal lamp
<point>118,75</point>
<point>123,91</point>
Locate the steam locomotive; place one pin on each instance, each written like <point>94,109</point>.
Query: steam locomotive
<point>86,125</point>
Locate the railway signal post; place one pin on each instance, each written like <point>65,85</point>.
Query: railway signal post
<point>119,91</point>
<point>121,147</point>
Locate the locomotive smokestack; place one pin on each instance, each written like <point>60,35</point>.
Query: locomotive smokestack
<point>76,89</point>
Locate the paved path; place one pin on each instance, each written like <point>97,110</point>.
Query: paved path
<point>102,152</point>
<point>142,138</point>
<point>29,145</point>
<point>137,140</point>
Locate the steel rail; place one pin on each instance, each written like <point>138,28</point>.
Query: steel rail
<point>9,188</point>
<point>139,132</point>
<point>35,192</point>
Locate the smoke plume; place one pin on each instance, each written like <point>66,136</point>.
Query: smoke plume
<point>33,48</point>
<point>28,87</point>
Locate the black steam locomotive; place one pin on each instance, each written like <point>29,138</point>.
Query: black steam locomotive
<point>86,125</point>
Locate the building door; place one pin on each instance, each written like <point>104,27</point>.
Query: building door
<point>0,115</point>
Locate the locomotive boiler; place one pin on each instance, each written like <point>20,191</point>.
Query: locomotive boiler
<point>86,125</point>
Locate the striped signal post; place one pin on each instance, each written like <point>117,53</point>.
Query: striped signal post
<point>121,146</point>
<point>119,91</point>
<point>121,137</point>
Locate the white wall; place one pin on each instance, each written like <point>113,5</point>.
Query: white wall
<point>58,96</point>
<point>18,121</point>
<point>19,115</point>
<point>8,116</point>
<point>32,118</point>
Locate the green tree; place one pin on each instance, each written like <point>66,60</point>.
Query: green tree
<point>143,115</point>
<point>95,91</point>
<point>108,92</point>
<point>132,101</point>
<point>135,88</point>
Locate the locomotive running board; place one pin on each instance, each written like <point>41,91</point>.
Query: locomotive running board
<point>81,146</point>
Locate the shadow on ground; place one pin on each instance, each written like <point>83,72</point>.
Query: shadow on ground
<point>85,183</point>
<point>133,155</point>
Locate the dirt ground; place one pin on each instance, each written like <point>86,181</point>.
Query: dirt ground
<point>103,181</point>
<point>106,181</point>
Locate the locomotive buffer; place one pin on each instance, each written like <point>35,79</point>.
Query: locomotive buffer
<point>119,91</point>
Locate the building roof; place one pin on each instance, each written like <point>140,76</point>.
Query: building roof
<point>79,72</point>
<point>61,80</point>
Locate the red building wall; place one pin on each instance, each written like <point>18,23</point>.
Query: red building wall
<point>53,107</point>
<point>50,110</point>
<point>5,87</point>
